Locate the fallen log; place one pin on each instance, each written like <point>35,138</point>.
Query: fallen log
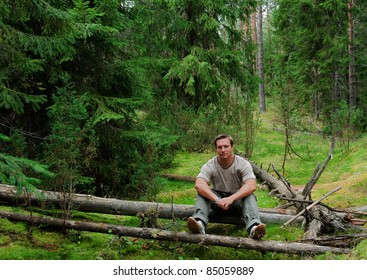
<point>89,203</point>
<point>179,177</point>
<point>158,234</point>
<point>277,186</point>
<point>348,240</point>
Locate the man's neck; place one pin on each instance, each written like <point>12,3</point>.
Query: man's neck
<point>227,162</point>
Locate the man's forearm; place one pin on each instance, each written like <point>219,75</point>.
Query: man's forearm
<point>248,188</point>
<point>204,190</point>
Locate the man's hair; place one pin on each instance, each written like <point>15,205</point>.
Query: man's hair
<point>223,136</point>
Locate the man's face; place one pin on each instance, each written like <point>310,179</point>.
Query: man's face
<point>224,148</point>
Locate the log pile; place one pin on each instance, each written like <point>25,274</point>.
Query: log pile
<point>319,219</point>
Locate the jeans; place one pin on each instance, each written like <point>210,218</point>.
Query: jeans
<point>246,207</point>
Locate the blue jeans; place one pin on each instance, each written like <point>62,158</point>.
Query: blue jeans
<point>246,207</point>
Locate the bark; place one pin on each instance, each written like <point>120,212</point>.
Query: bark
<point>158,234</point>
<point>322,220</point>
<point>352,62</point>
<point>318,171</point>
<point>311,205</point>
<point>253,29</point>
<point>260,58</point>
<point>273,183</point>
<point>360,210</point>
<point>342,241</point>
<point>314,228</point>
<point>89,203</point>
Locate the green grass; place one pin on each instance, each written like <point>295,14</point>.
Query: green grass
<point>189,163</point>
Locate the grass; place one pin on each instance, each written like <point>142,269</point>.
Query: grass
<point>347,169</point>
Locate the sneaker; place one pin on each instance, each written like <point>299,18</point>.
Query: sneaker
<point>195,226</point>
<point>258,231</point>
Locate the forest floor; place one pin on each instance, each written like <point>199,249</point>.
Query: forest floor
<point>348,169</point>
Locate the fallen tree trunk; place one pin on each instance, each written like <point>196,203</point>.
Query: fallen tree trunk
<point>179,177</point>
<point>158,234</point>
<point>276,186</point>
<point>348,240</point>
<point>89,203</point>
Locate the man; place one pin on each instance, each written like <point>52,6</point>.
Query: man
<point>232,185</point>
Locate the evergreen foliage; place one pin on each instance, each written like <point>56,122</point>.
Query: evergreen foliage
<point>21,172</point>
<point>203,65</point>
<point>313,45</point>
<point>71,145</point>
<point>76,69</point>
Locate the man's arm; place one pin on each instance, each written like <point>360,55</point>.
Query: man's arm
<point>203,189</point>
<point>248,187</point>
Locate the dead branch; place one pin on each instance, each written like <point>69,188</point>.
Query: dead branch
<point>311,205</point>
<point>319,170</point>
<point>288,186</point>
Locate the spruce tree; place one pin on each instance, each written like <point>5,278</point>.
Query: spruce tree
<point>203,64</point>
<point>54,48</point>
<point>314,44</point>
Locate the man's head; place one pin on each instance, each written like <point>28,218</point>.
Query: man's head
<point>223,136</point>
<point>224,146</point>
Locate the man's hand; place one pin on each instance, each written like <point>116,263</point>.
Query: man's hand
<point>225,203</point>
<point>248,188</point>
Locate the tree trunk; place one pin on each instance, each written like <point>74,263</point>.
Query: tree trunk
<point>260,57</point>
<point>344,241</point>
<point>158,234</point>
<point>322,217</point>
<point>352,62</point>
<point>89,203</point>
<point>276,186</point>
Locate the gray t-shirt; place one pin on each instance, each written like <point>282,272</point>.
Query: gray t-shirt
<point>227,180</point>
